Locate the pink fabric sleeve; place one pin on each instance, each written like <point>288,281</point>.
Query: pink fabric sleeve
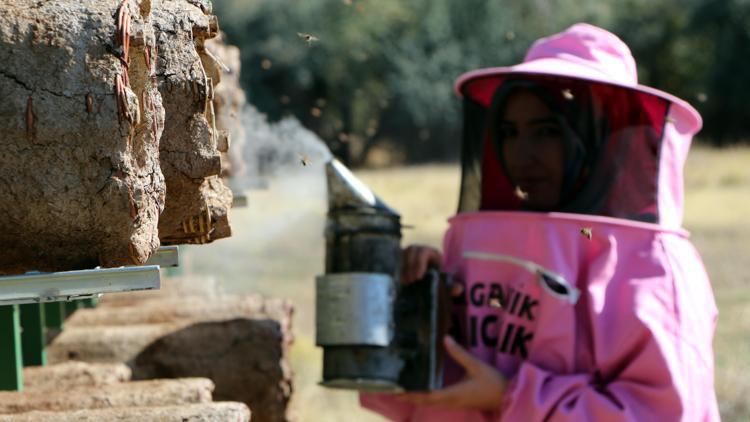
<point>536,395</point>
<point>643,352</point>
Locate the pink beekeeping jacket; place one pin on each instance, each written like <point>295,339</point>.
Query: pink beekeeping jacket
<point>636,345</point>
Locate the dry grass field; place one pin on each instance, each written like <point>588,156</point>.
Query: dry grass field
<point>277,249</point>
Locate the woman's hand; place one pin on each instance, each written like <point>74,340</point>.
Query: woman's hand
<point>415,260</point>
<point>481,389</point>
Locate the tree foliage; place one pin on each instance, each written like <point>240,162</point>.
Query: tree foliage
<point>381,72</point>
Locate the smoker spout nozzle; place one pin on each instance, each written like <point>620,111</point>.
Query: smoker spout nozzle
<point>345,190</point>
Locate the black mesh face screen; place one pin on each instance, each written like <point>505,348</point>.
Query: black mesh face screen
<point>614,172</point>
<point>474,128</point>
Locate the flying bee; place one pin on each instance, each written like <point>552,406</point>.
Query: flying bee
<point>304,160</point>
<point>520,194</point>
<point>567,94</point>
<point>587,232</point>
<point>308,38</point>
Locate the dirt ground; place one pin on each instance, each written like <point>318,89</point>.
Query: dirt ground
<point>277,249</point>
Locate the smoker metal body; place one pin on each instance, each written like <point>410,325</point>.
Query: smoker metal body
<point>357,309</point>
<point>376,334</point>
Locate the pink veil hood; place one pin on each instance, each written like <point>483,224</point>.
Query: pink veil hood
<point>586,53</point>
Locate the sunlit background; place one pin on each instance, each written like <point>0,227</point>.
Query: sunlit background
<point>372,81</point>
<point>379,73</point>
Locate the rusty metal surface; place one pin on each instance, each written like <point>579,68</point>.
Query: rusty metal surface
<point>354,308</point>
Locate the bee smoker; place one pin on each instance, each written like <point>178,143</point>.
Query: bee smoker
<point>376,334</point>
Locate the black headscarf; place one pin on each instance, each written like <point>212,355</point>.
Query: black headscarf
<point>612,148</point>
<point>583,126</point>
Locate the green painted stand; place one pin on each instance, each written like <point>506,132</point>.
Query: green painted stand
<point>90,303</point>
<point>54,315</point>
<point>11,365</point>
<point>33,334</point>
<point>71,307</point>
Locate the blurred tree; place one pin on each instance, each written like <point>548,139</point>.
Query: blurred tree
<point>721,30</point>
<point>334,85</point>
<point>697,50</point>
<point>446,39</point>
<point>381,72</point>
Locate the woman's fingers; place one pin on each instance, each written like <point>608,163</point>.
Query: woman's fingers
<point>425,258</point>
<point>459,395</point>
<point>402,272</point>
<point>410,259</point>
<point>462,356</point>
<point>482,387</point>
<point>405,264</point>
<point>451,396</point>
<point>416,259</point>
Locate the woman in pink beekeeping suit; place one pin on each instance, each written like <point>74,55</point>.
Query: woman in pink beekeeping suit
<point>583,298</point>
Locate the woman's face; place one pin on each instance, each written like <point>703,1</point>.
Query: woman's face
<point>533,147</point>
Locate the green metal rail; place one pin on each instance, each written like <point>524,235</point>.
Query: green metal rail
<point>54,315</point>
<point>11,364</point>
<point>33,334</point>
<point>25,320</point>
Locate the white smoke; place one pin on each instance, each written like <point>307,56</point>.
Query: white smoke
<point>277,245</point>
<point>274,150</point>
